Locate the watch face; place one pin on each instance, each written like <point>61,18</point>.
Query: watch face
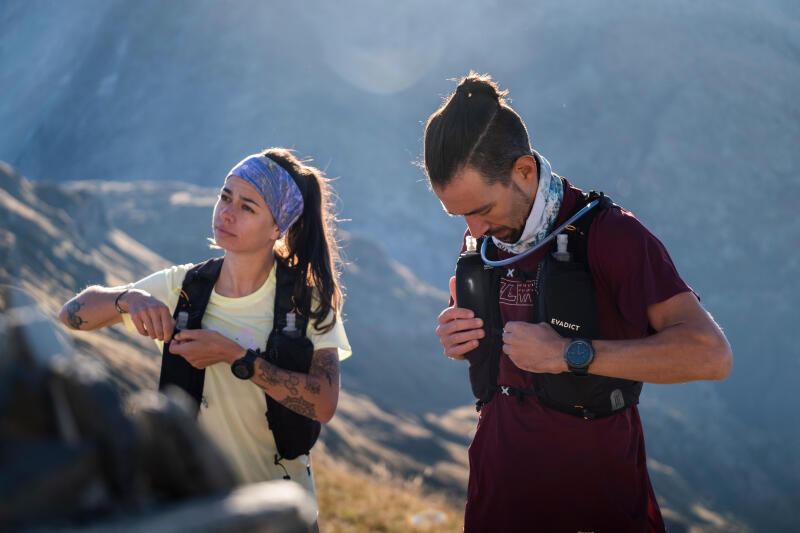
<point>579,353</point>
<point>241,370</point>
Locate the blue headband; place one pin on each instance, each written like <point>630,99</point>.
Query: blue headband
<point>275,185</point>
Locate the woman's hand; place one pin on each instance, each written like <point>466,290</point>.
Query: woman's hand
<point>204,347</point>
<point>151,317</point>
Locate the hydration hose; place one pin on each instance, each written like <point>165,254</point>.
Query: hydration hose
<point>504,262</point>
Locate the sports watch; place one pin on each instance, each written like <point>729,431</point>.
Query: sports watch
<point>242,368</point>
<point>579,354</point>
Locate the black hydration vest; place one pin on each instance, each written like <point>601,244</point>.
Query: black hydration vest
<point>564,298</point>
<point>294,433</point>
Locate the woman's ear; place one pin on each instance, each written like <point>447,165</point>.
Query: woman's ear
<point>276,232</point>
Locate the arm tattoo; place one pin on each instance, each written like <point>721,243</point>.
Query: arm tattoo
<point>290,382</point>
<point>74,320</point>
<point>277,376</point>
<point>326,365</point>
<point>299,405</point>
<point>311,385</point>
<point>268,373</point>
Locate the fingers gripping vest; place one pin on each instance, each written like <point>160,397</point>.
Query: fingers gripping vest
<point>195,292</point>
<point>564,299</point>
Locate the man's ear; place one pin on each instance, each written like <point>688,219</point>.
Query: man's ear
<point>524,173</point>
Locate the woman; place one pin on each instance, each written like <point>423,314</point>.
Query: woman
<point>272,208</point>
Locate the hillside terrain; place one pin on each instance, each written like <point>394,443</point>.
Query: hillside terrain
<point>125,117</point>
<point>59,238</point>
<point>685,113</point>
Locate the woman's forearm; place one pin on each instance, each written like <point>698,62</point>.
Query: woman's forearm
<point>92,309</point>
<point>314,395</point>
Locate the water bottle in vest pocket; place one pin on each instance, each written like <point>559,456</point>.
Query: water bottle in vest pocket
<point>294,433</point>
<point>477,289</point>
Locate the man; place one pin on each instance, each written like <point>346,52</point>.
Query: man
<point>537,464</point>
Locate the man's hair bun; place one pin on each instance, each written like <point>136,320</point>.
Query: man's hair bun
<point>474,84</point>
<point>474,127</point>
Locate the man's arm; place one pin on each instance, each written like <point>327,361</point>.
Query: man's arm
<point>688,346</point>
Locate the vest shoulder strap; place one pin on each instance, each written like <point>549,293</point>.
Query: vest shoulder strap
<point>578,232</point>
<point>195,292</point>
<point>287,280</point>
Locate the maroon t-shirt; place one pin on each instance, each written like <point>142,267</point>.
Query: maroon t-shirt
<point>536,469</point>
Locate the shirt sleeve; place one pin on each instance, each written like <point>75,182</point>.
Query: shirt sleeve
<point>335,338</point>
<point>633,264</point>
<point>164,285</point>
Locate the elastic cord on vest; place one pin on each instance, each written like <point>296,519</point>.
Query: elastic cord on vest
<point>504,262</point>
<point>278,463</point>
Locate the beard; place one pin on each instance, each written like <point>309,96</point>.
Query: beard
<point>520,209</point>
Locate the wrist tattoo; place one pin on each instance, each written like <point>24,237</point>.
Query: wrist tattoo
<point>277,376</point>
<point>300,406</point>
<point>75,321</point>
<point>267,373</point>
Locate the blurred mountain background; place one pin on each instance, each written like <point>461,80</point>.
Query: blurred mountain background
<point>124,117</point>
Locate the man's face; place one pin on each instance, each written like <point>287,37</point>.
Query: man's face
<point>498,210</point>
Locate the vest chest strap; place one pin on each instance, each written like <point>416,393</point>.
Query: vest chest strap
<point>587,413</point>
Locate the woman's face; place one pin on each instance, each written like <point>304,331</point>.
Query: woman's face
<point>242,221</point>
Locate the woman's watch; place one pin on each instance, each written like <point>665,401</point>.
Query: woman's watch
<point>243,368</point>
<point>579,354</point>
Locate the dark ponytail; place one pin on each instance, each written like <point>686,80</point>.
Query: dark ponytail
<point>476,128</point>
<point>309,245</point>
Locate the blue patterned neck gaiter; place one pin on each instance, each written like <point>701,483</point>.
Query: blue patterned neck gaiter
<point>543,213</point>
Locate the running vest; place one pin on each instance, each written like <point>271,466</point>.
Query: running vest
<point>564,298</point>
<point>294,434</point>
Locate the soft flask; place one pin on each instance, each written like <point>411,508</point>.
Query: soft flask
<point>476,289</point>
<point>290,350</point>
<point>472,291</point>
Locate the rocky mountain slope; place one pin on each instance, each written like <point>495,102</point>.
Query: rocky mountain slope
<point>405,410</point>
<point>684,112</point>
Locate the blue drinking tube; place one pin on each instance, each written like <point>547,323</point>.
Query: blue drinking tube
<point>504,262</point>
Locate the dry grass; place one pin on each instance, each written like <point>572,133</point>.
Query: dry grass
<point>352,501</point>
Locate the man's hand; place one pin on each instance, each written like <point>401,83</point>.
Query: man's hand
<point>204,347</point>
<point>534,347</point>
<point>458,329</point>
<point>151,317</point>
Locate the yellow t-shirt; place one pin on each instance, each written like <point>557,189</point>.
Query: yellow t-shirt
<point>232,412</point>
